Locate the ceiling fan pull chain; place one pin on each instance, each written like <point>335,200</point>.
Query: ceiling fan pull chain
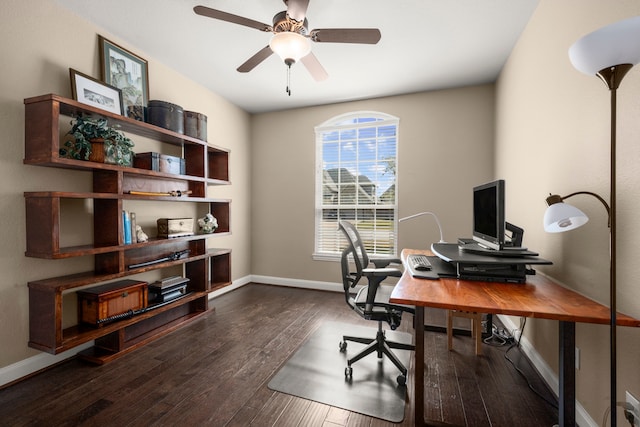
<point>289,79</point>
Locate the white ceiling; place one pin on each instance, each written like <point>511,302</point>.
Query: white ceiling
<point>425,45</point>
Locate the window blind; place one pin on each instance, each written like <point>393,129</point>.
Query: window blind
<point>356,173</point>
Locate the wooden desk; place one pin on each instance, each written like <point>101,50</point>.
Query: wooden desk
<point>538,298</point>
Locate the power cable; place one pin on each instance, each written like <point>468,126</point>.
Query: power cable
<point>516,344</point>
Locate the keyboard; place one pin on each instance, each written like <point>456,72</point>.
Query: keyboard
<point>419,263</point>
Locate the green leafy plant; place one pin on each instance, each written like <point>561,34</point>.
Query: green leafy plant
<point>85,130</point>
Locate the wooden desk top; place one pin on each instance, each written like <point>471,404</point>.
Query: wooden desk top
<point>539,297</point>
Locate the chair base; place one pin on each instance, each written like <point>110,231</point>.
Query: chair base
<point>382,347</point>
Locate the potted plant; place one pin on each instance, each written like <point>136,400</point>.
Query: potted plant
<point>94,140</point>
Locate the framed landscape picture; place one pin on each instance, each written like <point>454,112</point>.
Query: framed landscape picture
<point>93,92</point>
<point>129,73</point>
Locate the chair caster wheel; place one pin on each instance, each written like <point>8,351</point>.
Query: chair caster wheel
<point>402,380</point>
<point>343,346</point>
<point>348,372</point>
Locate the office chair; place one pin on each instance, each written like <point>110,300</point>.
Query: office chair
<point>371,302</point>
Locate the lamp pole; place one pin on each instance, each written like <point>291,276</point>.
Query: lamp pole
<point>612,76</point>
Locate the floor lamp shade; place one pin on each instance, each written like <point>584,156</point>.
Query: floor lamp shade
<point>614,44</point>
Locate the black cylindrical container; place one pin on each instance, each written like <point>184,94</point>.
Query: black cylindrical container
<point>195,125</point>
<point>166,115</point>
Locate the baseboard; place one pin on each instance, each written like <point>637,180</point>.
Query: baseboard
<point>234,285</point>
<point>298,283</point>
<point>582,416</point>
<point>34,364</point>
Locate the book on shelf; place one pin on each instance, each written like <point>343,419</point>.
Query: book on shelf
<point>132,220</point>
<point>126,225</point>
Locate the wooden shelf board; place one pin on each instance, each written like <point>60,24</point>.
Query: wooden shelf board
<point>62,283</point>
<point>219,285</point>
<point>70,107</point>
<point>84,250</point>
<point>100,356</point>
<point>80,334</point>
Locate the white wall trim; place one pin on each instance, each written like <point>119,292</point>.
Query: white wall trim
<point>36,363</point>
<point>582,417</point>
<point>236,284</point>
<point>298,283</point>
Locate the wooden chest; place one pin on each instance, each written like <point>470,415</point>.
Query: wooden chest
<point>159,163</point>
<point>113,301</point>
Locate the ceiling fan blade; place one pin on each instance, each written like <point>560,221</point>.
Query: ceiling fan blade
<point>314,67</point>
<point>255,60</point>
<point>297,9</point>
<point>228,17</point>
<point>346,35</point>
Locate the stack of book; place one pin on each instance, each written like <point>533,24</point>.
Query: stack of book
<point>129,227</point>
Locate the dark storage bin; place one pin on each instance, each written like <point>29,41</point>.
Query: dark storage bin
<point>195,125</point>
<point>166,115</point>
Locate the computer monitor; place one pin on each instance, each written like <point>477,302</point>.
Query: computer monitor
<point>488,214</point>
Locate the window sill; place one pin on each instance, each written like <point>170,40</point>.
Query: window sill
<point>325,257</point>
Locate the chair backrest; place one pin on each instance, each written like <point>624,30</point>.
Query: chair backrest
<point>350,278</point>
<point>361,258</point>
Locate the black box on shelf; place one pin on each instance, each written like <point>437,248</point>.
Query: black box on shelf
<point>167,289</point>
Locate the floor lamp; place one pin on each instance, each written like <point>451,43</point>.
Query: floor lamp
<point>608,53</point>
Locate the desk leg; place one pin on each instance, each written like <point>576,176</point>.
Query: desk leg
<point>418,388</point>
<point>567,377</point>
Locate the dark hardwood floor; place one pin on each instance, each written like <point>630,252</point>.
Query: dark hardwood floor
<point>214,372</point>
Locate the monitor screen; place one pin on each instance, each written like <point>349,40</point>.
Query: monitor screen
<point>488,214</point>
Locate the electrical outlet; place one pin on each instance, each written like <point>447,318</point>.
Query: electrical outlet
<point>631,399</point>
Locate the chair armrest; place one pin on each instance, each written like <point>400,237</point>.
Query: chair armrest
<point>383,261</point>
<point>382,272</point>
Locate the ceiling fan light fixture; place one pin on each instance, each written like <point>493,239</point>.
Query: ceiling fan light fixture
<point>290,47</point>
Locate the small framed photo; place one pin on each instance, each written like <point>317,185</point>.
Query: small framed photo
<point>93,92</point>
<point>129,73</point>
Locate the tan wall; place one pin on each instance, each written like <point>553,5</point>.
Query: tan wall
<point>39,41</point>
<point>445,147</point>
<point>553,136</point>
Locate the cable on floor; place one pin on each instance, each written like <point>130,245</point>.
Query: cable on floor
<point>516,344</point>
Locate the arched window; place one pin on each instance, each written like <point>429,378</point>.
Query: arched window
<point>356,172</point>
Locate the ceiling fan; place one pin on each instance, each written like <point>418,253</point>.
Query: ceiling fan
<point>291,38</point>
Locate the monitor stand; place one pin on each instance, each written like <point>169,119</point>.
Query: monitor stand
<point>515,234</point>
<point>471,246</point>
